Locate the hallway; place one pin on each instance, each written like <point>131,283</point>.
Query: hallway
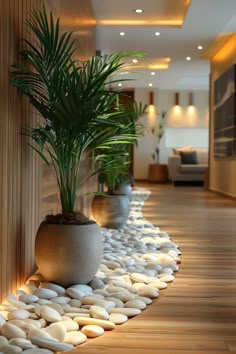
<point>197,312</point>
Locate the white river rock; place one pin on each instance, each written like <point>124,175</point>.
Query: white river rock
<point>51,344</point>
<point>11,331</point>
<point>22,343</point>
<point>56,331</point>
<point>83,321</point>
<point>44,293</point>
<point>129,312</point>
<point>75,338</point>
<point>99,312</point>
<point>11,349</point>
<point>118,318</point>
<point>49,314</point>
<point>92,331</point>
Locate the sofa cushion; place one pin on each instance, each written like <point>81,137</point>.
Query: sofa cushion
<point>193,168</point>
<point>202,155</point>
<point>189,157</point>
<point>176,151</point>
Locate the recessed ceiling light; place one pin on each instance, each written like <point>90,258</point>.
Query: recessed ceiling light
<point>150,85</point>
<point>157,33</point>
<point>153,73</point>
<point>135,61</point>
<point>122,33</point>
<point>120,84</point>
<point>138,11</point>
<point>188,58</point>
<point>200,47</point>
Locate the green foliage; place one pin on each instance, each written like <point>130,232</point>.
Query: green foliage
<point>158,132</point>
<point>116,161</point>
<point>73,99</point>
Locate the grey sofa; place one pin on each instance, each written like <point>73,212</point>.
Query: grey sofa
<point>178,171</point>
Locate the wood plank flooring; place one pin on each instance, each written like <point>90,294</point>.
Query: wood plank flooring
<point>196,314</point>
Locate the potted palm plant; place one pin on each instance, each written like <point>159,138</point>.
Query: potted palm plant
<point>112,208</point>
<point>73,100</point>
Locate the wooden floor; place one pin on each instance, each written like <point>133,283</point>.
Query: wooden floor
<point>197,312</point>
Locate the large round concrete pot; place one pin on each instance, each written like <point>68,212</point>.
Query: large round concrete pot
<point>68,254</point>
<point>124,188</point>
<point>111,211</point>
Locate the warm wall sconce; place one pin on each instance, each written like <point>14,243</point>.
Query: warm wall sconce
<point>151,98</point>
<point>176,99</point>
<point>191,99</point>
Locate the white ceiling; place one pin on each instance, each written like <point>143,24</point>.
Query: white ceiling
<point>203,22</point>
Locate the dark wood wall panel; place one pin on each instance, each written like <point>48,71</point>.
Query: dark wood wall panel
<point>20,169</point>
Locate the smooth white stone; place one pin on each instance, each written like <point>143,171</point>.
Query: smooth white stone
<point>42,321</point>
<point>49,314</point>
<point>61,300</point>
<point>116,289</point>
<point>38,351</point>
<point>72,315</point>
<point>83,321</point>
<point>124,297</point>
<point>11,349</point>
<point>44,293</point>
<point>96,283</point>
<point>129,312</point>
<point>97,296</point>
<point>9,331</point>
<point>92,331</point>
<point>145,299</point>
<point>105,304</point>
<point>117,302</point>
<point>28,288</point>
<point>43,302</point>
<point>18,315</point>
<point>86,289</point>
<point>118,318</point>
<point>37,332</point>
<point>57,307</point>
<point>8,308</point>
<point>2,320</point>
<point>75,338</point>
<point>12,300</point>
<point>57,331</point>
<point>3,341</point>
<point>34,316</point>
<point>75,303</point>
<point>98,312</point>
<point>22,343</point>
<point>75,293</point>
<point>28,298</point>
<point>52,286</point>
<point>89,300</point>
<point>34,323</point>
<point>70,325</point>
<point>101,291</point>
<point>137,304</point>
<point>138,277</point>
<point>120,271</point>
<point>150,272</point>
<point>51,344</point>
<point>158,285</point>
<point>167,278</point>
<point>111,265</point>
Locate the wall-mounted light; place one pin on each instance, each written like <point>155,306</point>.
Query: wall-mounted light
<point>151,98</point>
<point>191,99</point>
<point>176,99</point>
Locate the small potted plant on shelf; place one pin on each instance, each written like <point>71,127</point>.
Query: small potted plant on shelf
<point>158,172</point>
<point>74,103</point>
<point>112,208</point>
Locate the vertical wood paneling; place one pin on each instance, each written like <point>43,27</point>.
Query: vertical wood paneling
<point>20,168</point>
<point>20,175</point>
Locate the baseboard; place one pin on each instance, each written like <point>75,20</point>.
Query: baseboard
<point>231,196</point>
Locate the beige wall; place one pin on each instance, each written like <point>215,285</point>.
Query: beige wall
<point>20,169</point>
<point>183,122</point>
<point>222,172</point>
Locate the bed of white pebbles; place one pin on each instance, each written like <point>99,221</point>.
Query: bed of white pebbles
<point>139,261</point>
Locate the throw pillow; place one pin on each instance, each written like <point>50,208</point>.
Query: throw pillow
<point>188,157</point>
<point>176,151</point>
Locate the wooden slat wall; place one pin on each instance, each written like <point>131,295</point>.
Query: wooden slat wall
<point>20,175</point>
<point>20,169</point>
